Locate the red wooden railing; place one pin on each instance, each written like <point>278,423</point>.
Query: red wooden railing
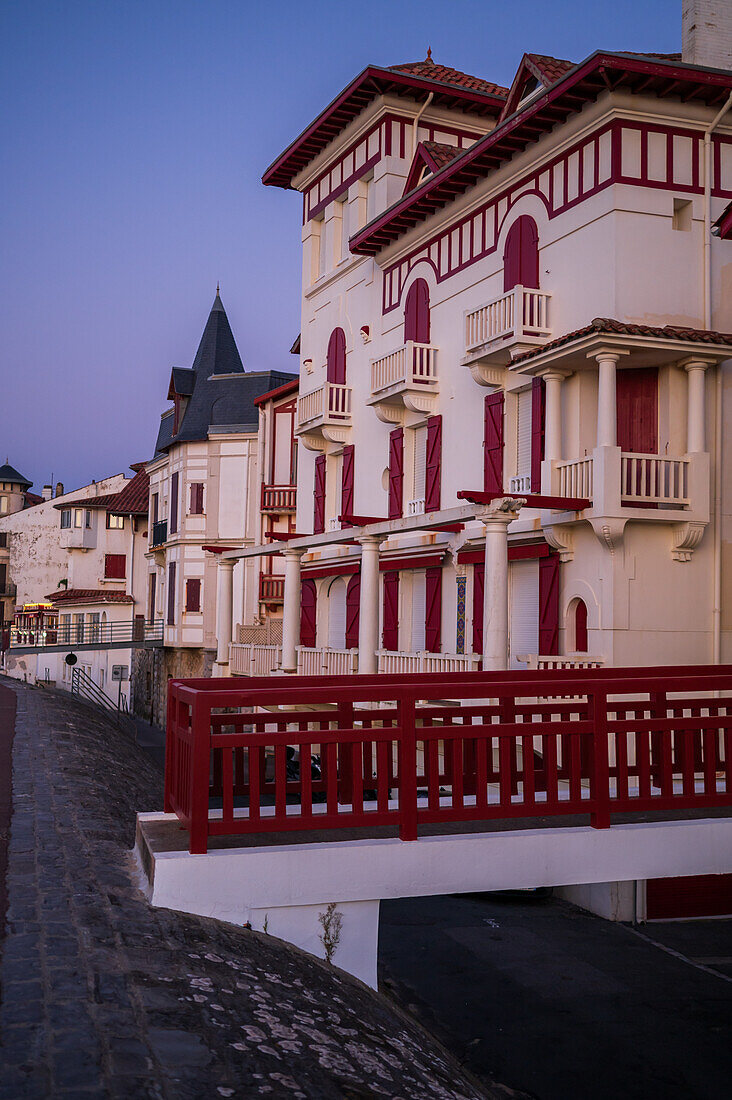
<point>272,587</point>
<point>380,750</point>
<point>279,498</point>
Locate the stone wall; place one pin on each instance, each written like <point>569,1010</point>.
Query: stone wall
<point>151,670</point>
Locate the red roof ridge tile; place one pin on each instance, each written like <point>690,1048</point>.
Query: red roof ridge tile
<point>89,595</point>
<point>445,74</point>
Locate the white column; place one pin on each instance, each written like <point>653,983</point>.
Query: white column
<point>368,612</point>
<point>495,598</point>
<point>695,406</point>
<point>224,609</point>
<point>607,432</point>
<point>553,424</point>
<point>291,611</point>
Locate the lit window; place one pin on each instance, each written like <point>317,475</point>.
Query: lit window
<point>78,517</point>
<point>115,522</point>
<point>66,518</point>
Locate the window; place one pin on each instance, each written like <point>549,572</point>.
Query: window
<point>115,522</point>
<point>88,520</point>
<point>66,518</point>
<point>115,567</point>
<point>3,505</point>
<point>78,517</point>
<point>419,610</point>
<point>579,618</point>
<point>101,678</point>
<point>174,503</point>
<point>521,255</point>
<point>155,507</point>
<point>197,499</point>
<point>94,623</point>
<point>65,634</point>
<point>419,464</point>
<point>336,357</point>
<point>193,595</point>
<point>417,313</point>
<point>3,538</point>
<point>171,593</point>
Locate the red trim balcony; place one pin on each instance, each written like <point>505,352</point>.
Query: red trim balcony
<point>279,499</point>
<point>272,587</point>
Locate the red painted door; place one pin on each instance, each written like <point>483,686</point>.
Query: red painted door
<point>390,631</point>
<point>396,473</point>
<point>319,496</point>
<point>637,405</point>
<point>417,313</point>
<point>336,357</point>
<point>493,444</point>
<point>478,591</point>
<point>433,610</point>
<point>549,605</point>
<point>433,464</point>
<point>353,603</point>
<point>521,254</point>
<point>308,607</point>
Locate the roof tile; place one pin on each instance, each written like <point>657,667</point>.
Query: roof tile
<point>446,75</point>
<point>88,595</point>
<point>622,328</point>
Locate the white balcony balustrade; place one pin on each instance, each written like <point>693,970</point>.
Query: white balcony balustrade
<point>574,479</point>
<point>406,376</point>
<point>416,507</point>
<point>520,484</point>
<point>407,663</point>
<point>327,410</point>
<point>654,479</point>
<point>322,660</point>
<point>569,660</point>
<point>254,659</point>
<point>514,322</point>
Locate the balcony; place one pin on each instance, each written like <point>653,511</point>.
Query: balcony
<point>254,659</point>
<point>405,378</point>
<point>78,538</point>
<point>159,534</point>
<point>324,414</point>
<point>272,587</point>
<point>408,663</point>
<point>322,661</point>
<point>494,334</point>
<point>279,499</point>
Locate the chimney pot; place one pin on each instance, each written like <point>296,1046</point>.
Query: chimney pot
<point>59,488</point>
<point>706,33</point>
<point>47,492</point>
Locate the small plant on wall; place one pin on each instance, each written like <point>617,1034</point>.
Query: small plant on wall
<point>332,922</point>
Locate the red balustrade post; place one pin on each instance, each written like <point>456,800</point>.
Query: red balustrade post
<point>171,734</point>
<point>600,814</point>
<point>408,771</point>
<point>345,756</point>
<point>200,768</point>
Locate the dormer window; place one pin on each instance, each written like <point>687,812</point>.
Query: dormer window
<point>529,90</point>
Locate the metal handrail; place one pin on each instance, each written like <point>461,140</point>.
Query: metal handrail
<point>85,689</point>
<point>159,533</point>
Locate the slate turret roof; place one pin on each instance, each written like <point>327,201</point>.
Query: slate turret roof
<point>215,392</point>
<point>9,473</point>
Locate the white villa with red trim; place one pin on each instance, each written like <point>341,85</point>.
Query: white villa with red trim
<point>513,321</point>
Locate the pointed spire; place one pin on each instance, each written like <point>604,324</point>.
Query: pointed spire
<point>217,353</point>
<point>429,55</point>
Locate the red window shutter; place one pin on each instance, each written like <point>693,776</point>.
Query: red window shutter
<point>308,607</point>
<point>493,444</point>
<point>549,606</point>
<point>478,591</point>
<point>196,499</point>
<point>193,595</point>
<point>390,632</point>
<point>173,503</point>
<point>151,601</point>
<point>347,476</point>
<point>521,255</point>
<point>396,473</point>
<point>319,496</point>
<point>433,612</point>
<point>353,604</point>
<point>417,313</point>
<point>433,472</point>
<point>171,593</point>
<point>538,416</point>
<point>580,627</point>
<point>115,567</point>
<point>336,357</point>
<point>637,410</point>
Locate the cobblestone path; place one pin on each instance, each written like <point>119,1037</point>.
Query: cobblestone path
<point>103,996</point>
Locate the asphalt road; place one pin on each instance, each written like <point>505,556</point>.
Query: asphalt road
<point>561,1005</point>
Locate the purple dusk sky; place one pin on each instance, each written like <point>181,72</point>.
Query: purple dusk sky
<point>134,136</point>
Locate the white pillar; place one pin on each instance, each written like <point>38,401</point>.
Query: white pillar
<point>291,611</point>
<point>368,612</point>
<point>607,432</point>
<point>553,423</point>
<point>495,597</point>
<point>695,406</point>
<point>224,609</point>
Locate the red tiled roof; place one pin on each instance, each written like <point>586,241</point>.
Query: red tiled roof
<point>551,68</point>
<point>131,500</point>
<point>441,153</point>
<point>612,327</point>
<point>446,75</point>
<point>88,595</point>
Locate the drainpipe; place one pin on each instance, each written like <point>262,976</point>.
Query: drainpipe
<point>418,116</point>
<point>707,293</point>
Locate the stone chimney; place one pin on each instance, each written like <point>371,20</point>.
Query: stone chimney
<point>59,488</point>
<point>47,492</point>
<point>706,33</point>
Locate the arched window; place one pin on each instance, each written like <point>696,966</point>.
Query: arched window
<point>417,313</point>
<point>580,626</point>
<point>336,358</point>
<point>337,614</point>
<point>521,255</point>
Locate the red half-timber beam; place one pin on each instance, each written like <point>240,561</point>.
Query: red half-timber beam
<point>533,500</point>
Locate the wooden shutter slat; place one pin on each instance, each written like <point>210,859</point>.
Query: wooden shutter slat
<point>347,482</point>
<point>493,443</point>
<point>417,313</point>
<point>433,613</point>
<point>433,475</point>
<point>538,415</point>
<point>478,596</point>
<point>174,503</point>
<point>319,496</point>
<point>390,631</point>
<point>396,473</point>
<point>336,357</point>
<point>171,593</point>
<point>549,606</point>
<point>353,605</point>
<point>308,608</point>
<point>193,595</point>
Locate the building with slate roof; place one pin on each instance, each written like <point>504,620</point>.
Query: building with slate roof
<point>205,495</point>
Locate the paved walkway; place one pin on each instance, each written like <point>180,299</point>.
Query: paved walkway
<point>103,996</point>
